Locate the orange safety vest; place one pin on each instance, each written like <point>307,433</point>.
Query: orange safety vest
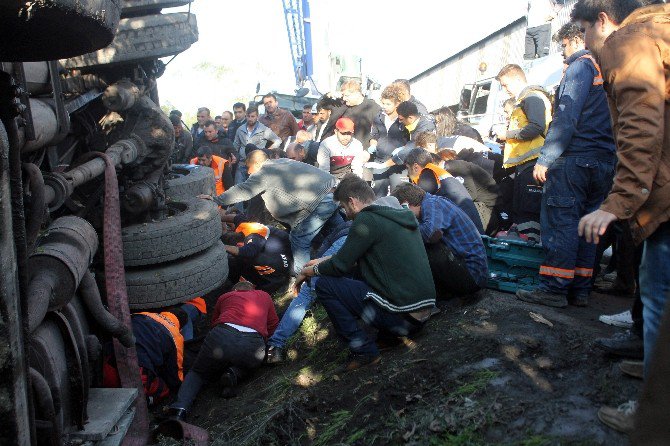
<point>170,321</point>
<point>218,164</point>
<point>439,173</point>
<point>598,78</point>
<point>199,303</point>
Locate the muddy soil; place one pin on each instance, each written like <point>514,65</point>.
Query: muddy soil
<point>482,373</point>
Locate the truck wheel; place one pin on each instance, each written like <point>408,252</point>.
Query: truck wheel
<point>177,282</point>
<point>186,181</point>
<point>194,226</point>
<point>55,29</point>
<point>146,7</point>
<point>142,38</point>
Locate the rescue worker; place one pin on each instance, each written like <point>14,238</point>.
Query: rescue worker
<point>576,165</point>
<point>523,140</point>
<point>262,258</point>
<point>222,172</point>
<point>437,181</point>
<point>160,351</point>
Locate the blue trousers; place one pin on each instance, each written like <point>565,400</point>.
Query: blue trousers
<point>576,186</point>
<point>295,313</point>
<point>303,233</point>
<point>654,286</point>
<point>346,301</point>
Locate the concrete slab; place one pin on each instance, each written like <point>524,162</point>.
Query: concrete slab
<point>115,438</point>
<point>105,408</point>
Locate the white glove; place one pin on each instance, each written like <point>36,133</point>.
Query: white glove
<point>376,168</point>
<point>372,149</point>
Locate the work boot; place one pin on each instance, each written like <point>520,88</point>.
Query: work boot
<point>617,288</point>
<point>537,296</point>
<point>579,300</point>
<point>621,418</point>
<point>176,413</point>
<point>626,344</point>
<point>633,369</point>
<point>275,355</point>
<point>228,383</point>
<point>358,360</point>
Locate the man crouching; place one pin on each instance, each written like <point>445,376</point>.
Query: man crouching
<point>396,293</point>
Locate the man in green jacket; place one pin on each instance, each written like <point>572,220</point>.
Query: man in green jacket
<point>396,294</point>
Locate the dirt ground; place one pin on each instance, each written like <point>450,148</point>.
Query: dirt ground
<point>482,373</point>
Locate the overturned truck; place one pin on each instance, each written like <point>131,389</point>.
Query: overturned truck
<point>94,223</point>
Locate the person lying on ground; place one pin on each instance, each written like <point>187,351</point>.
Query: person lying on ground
<point>396,294</point>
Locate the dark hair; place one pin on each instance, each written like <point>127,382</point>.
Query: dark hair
<point>204,109</point>
<point>239,105</point>
<point>307,106</point>
<point>407,108</point>
<point>181,315</point>
<point>409,193</point>
<point>175,120</point>
<point>204,151</point>
<point>250,147</point>
<point>469,131</point>
<point>175,112</point>
<point>209,122</point>
<point>512,70</point>
<point>352,186</point>
<point>570,31</point>
<point>270,95</point>
<point>418,156</point>
<point>445,121</point>
<point>422,139</point>
<point>217,117</point>
<point>252,109</point>
<point>616,10</point>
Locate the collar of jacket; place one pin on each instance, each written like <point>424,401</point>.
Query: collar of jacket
<point>646,13</point>
<point>576,56</point>
<point>413,125</point>
<point>278,113</point>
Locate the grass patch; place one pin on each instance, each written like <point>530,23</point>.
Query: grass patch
<point>467,437</point>
<point>338,420</point>
<point>480,381</point>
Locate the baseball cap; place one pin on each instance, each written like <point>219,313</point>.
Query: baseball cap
<point>314,110</point>
<point>344,125</point>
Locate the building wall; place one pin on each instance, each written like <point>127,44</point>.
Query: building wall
<point>441,85</point>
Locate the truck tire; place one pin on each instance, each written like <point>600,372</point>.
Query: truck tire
<point>194,227</point>
<point>186,181</point>
<point>177,282</point>
<point>56,29</point>
<point>142,38</point>
<point>146,7</point>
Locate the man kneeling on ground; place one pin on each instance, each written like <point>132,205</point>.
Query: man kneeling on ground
<point>455,250</point>
<point>242,321</point>
<point>396,294</point>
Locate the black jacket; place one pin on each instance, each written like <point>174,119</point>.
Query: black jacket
<point>362,114</point>
<point>387,139</point>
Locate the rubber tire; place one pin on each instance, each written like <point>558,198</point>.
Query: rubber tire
<point>177,282</point>
<point>195,228</point>
<point>191,182</point>
<point>142,38</point>
<point>145,7</point>
<point>55,29</point>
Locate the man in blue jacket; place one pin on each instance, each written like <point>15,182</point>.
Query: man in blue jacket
<point>576,165</point>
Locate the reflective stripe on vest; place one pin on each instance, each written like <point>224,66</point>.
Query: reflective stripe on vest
<point>199,303</point>
<point>170,321</point>
<point>598,78</point>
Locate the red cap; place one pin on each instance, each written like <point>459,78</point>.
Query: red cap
<point>344,125</point>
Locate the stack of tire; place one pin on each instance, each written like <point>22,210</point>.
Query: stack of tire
<point>143,33</point>
<point>181,257</point>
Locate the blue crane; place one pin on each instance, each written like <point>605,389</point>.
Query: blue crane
<point>298,26</point>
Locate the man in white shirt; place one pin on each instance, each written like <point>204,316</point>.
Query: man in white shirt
<point>341,153</point>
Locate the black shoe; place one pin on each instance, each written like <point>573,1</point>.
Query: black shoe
<point>626,344</point>
<point>275,355</point>
<point>579,300</point>
<point>356,361</point>
<point>176,413</point>
<point>228,383</point>
<point>543,298</point>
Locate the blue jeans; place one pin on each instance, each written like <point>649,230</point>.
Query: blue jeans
<point>575,186</point>
<point>346,301</point>
<point>295,313</point>
<point>303,233</point>
<point>654,286</point>
<point>194,315</point>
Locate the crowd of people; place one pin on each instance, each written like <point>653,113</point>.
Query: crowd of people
<point>375,210</point>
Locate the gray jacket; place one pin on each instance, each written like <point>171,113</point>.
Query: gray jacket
<point>259,136</point>
<point>291,189</point>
